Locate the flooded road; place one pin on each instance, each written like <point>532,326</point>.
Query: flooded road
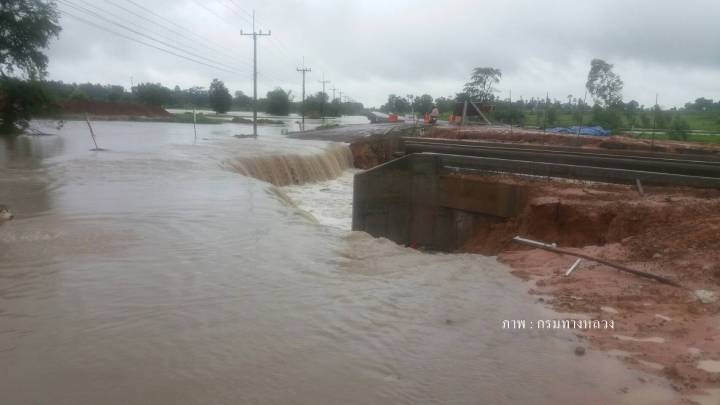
<point>154,272</point>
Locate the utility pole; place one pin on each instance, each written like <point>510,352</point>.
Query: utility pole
<point>333,90</point>
<point>255,34</point>
<point>656,110</point>
<point>341,101</point>
<point>547,101</point>
<point>303,70</point>
<point>411,98</point>
<point>322,108</point>
<point>511,110</point>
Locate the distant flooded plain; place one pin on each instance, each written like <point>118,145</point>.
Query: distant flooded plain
<point>153,271</point>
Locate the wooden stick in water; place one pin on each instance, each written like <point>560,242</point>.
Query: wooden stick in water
<point>92,133</point>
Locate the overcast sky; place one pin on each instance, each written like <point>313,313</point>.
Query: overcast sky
<point>369,49</point>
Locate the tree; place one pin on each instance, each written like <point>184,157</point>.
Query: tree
<point>631,112</point>
<point>482,84</point>
<point>152,94</point>
<point>700,104</point>
<point>445,104</point>
<point>423,104</point>
<point>679,128</point>
<point>26,27</point>
<point>603,84</point>
<point>241,101</point>
<point>396,104</point>
<point>278,102</point>
<point>219,97</point>
<point>20,100</point>
<point>314,105</point>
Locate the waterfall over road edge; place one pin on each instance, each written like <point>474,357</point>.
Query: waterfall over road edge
<point>295,169</point>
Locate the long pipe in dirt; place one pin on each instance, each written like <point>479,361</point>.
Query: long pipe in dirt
<point>620,267</point>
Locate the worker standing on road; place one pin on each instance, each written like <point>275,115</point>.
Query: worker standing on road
<point>434,115</point>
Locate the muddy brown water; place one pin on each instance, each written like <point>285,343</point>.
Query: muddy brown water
<point>152,272</point>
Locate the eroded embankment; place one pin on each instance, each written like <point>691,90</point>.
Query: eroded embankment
<point>374,150</point>
<point>674,232</point>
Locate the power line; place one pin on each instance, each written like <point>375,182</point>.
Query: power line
<point>205,40</point>
<point>183,32</point>
<point>224,66</point>
<point>231,24</point>
<point>234,11</point>
<point>142,42</point>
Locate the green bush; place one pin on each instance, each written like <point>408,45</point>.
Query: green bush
<point>679,128</point>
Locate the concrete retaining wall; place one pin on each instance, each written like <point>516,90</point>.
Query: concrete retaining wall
<point>413,201</point>
<point>419,200</point>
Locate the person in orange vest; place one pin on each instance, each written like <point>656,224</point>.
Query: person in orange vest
<point>434,115</point>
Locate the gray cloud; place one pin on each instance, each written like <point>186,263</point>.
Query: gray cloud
<point>372,48</point>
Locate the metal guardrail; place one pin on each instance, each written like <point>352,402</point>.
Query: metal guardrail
<point>626,162</point>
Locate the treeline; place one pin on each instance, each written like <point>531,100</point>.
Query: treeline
<point>217,97</point>
<point>607,109</point>
<point>703,113</point>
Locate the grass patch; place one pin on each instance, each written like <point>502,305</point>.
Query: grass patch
<point>187,118</point>
<point>260,121</point>
<point>328,126</point>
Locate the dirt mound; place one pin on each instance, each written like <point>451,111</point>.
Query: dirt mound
<point>107,108</point>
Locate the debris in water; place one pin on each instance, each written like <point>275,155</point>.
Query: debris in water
<point>579,351</point>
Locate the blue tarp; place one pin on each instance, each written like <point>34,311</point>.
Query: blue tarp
<point>595,131</point>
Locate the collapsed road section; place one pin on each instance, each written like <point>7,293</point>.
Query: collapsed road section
<point>422,199</point>
<point>656,213</point>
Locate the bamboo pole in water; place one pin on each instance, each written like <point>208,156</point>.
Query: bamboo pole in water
<point>194,125</point>
<point>92,133</point>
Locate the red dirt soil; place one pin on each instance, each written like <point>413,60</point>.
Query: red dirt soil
<point>106,108</point>
<point>673,232</point>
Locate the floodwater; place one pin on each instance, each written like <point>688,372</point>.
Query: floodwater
<point>152,272</point>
